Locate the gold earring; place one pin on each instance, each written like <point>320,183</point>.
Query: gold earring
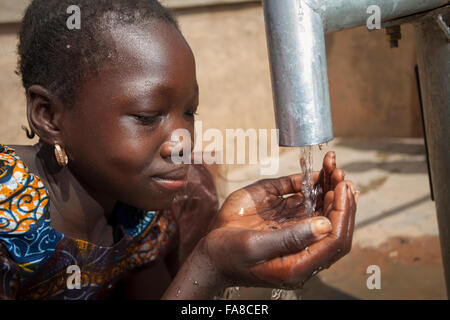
<point>61,156</point>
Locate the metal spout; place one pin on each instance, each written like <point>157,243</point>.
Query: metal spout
<point>295,31</point>
<point>296,45</point>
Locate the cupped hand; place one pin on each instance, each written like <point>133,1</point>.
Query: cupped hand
<point>263,237</point>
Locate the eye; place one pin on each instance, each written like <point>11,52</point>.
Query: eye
<point>191,113</point>
<point>146,120</point>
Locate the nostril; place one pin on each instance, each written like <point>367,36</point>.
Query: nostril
<point>172,149</point>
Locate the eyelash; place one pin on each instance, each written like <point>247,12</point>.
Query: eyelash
<point>146,120</point>
<point>191,113</point>
<point>150,120</point>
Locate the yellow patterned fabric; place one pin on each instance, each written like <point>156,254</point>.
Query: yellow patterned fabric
<point>23,198</point>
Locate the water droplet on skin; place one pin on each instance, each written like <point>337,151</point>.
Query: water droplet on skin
<point>307,249</point>
<point>241,211</point>
<point>195,283</point>
<point>178,292</point>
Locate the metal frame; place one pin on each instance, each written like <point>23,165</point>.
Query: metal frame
<point>433,57</point>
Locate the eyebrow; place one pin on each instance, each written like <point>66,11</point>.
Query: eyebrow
<point>144,90</point>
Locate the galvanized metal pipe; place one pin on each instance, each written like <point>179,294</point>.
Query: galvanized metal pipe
<point>295,37</point>
<point>433,57</point>
<point>345,14</point>
<point>297,55</point>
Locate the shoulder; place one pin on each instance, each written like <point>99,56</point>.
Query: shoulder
<point>23,197</point>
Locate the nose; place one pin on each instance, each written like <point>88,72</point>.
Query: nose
<point>180,144</point>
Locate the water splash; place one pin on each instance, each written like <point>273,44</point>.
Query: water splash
<point>281,294</point>
<point>231,293</point>
<point>276,294</point>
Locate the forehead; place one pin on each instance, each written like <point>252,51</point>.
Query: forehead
<point>151,55</point>
<point>156,44</point>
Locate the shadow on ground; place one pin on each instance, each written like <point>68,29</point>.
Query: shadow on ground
<point>405,167</point>
<point>388,146</point>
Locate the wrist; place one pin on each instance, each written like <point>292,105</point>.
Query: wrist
<point>198,278</point>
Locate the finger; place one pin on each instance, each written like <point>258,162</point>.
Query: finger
<point>339,213</point>
<point>329,164</point>
<point>329,161</point>
<point>290,269</point>
<point>352,208</point>
<point>337,176</point>
<point>351,221</point>
<point>266,245</point>
<point>323,203</point>
<point>354,191</point>
<point>349,209</point>
<point>328,203</point>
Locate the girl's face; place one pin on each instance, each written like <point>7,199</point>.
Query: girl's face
<point>118,133</point>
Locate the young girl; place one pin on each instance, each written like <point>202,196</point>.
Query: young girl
<point>99,198</point>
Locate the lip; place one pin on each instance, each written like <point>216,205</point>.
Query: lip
<point>172,180</point>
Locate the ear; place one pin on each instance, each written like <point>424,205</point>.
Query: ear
<point>44,111</point>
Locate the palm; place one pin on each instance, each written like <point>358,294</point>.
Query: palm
<point>266,204</point>
<point>260,206</point>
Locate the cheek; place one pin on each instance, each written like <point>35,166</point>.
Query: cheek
<point>117,159</point>
<point>115,146</point>
<point>131,152</point>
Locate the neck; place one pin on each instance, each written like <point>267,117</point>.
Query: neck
<point>75,209</point>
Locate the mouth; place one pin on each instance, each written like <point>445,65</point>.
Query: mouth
<point>173,180</point>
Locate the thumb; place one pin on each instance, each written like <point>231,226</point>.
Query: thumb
<point>289,240</point>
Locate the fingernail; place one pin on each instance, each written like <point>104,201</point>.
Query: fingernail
<point>321,226</point>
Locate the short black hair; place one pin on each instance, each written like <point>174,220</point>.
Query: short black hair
<point>59,59</point>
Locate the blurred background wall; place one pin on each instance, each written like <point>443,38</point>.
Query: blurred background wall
<point>372,87</point>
